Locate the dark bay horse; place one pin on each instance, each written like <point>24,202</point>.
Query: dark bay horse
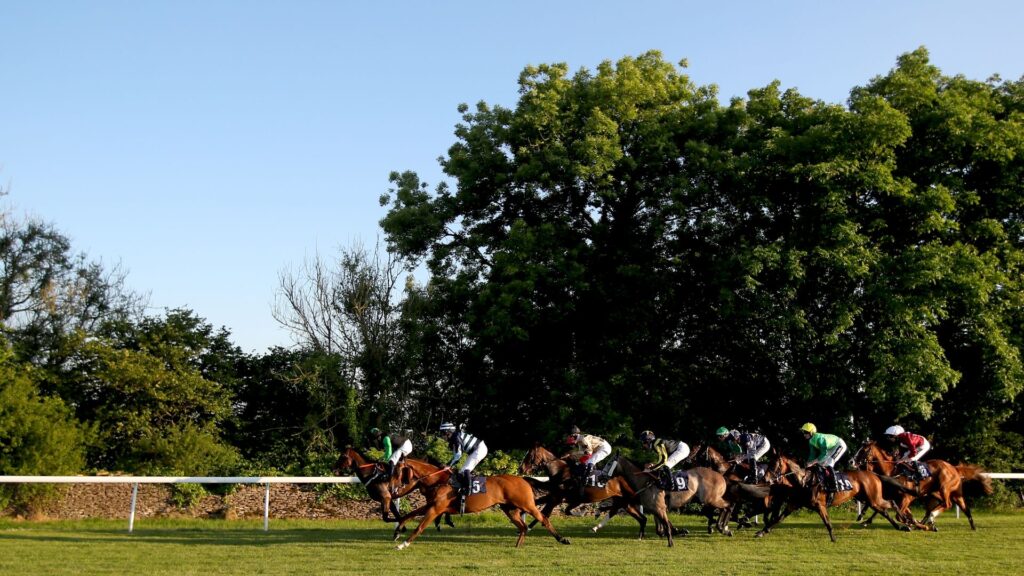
<point>867,488</point>
<point>560,487</point>
<point>364,469</point>
<point>943,488</point>
<point>704,485</point>
<point>512,494</point>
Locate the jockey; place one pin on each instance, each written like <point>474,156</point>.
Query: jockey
<point>826,450</point>
<point>670,452</point>
<point>914,446</point>
<point>727,449</point>
<point>746,447</point>
<point>460,441</point>
<point>589,450</point>
<point>395,447</point>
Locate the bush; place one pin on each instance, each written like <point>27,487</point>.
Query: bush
<point>38,434</point>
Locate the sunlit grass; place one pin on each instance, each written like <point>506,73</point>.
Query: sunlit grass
<point>485,544</point>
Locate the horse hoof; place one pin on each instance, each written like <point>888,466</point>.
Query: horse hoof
<point>565,540</point>
<point>759,535</point>
<point>402,546</point>
<point>904,528</point>
<point>728,533</point>
<point>594,529</point>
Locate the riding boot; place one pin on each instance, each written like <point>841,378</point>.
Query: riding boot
<point>391,468</point>
<point>830,485</point>
<point>466,483</point>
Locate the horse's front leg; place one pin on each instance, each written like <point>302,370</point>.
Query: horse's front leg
<point>434,509</point>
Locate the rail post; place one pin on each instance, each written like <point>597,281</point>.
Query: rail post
<point>131,515</point>
<point>266,509</point>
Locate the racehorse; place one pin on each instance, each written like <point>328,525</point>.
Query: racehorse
<point>943,488</point>
<point>512,494</point>
<point>866,487</point>
<point>352,459</point>
<point>703,484</point>
<point>560,489</point>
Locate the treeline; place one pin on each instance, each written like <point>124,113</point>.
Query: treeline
<point>620,251</point>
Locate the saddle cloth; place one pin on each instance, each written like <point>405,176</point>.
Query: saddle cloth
<point>677,482</point>
<point>477,484</point>
<point>843,483</point>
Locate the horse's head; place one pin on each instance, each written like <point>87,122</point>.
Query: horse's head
<point>784,469</point>
<point>344,463</point>
<point>535,458</point>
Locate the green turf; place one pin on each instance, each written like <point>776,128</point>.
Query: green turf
<point>484,544</point>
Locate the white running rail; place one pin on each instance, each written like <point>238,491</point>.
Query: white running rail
<point>136,480</point>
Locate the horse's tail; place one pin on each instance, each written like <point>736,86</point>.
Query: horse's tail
<point>895,486</point>
<point>748,491</point>
<point>545,485</point>
<point>975,481</point>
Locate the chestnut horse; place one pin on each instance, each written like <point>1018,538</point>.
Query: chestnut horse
<point>867,488</point>
<point>941,490</point>
<point>560,489</point>
<point>512,494</point>
<point>703,485</point>
<point>352,459</point>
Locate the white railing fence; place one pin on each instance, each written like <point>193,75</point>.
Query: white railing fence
<point>136,480</point>
<point>265,480</point>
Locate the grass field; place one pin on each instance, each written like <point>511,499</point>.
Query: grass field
<point>484,544</point>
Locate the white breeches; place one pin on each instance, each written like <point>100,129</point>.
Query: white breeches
<point>474,457</point>
<point>404,450</point>
<point>678,455</point>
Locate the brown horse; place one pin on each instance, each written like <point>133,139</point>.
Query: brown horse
<point>703,485</point>
<point>512,494</point>
<point>783,471</point>
<point>867,488</point>
<point>560,488</point>
<point>352,459</point>
<point>943,488</point>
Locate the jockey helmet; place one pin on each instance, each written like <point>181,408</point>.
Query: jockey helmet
<point>894,430</point>
<point>575,430</point>
<point>374,431</point>
<point>447,427</point>
<point>647,437</point>
<point>735,434</point>
<point>809,428</point>
<point>722,431</point>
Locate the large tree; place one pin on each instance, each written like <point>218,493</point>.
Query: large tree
<point>626,248</point>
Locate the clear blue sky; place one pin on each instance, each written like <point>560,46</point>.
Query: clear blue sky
<point>208,145</point>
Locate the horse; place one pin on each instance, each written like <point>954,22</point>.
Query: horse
<point>943,488</point>
<point>703,484</point>
<point>352,459</point>
<point>781,470</point>
<point>866,487</point>
<point>736,472</point>
<point>559,489</point>
<point>512,494</point>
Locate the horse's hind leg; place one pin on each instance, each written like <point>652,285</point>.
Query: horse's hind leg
<point>515,515</point>
<point>549,505</point>
<point>959,499</point>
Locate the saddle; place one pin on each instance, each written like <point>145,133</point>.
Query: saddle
<point>594,478</point>
<point>840,482</point>
<point>916,471</point>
